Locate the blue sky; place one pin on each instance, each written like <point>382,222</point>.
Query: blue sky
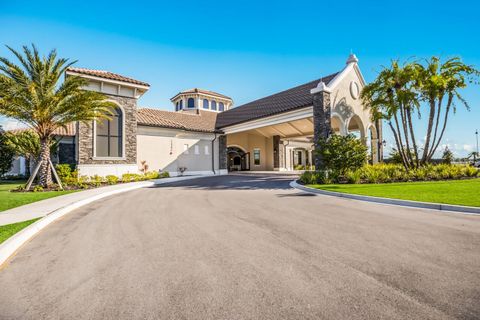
<point>249,49</point>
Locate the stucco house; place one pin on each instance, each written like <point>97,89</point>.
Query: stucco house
<point>204,134</point>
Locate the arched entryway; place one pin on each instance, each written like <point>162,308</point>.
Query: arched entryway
<point>355,126</point>
<point>237,159</point>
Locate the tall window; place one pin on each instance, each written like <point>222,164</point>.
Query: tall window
<point>180,106</point>
<point>205,104</point>
<point>176,106</point>
<point>109,134</point>
<point>191,103</point>
<point>256,157</point>
<point>221,106</point>
<point>214,105</point>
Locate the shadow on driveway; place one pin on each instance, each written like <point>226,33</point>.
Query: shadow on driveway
<point>234,182</point>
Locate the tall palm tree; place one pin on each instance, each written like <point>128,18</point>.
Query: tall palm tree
<point>31,93</point>
<point>438,85</point>
<point>391,97</point>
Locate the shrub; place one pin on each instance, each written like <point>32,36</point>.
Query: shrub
<point>315,177</point>
<point>299,167</point>
<point>64,171</point>
<point>165,174</point>
<point>111,179</point>
<point>130,177</point>
<point>96,180</point>
<point>386,173</point>
<point>37,188</point>
<point>341,154</point>
<point>152,175</point>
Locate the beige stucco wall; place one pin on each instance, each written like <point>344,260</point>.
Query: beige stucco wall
<point>163,149</point>
<point>248,142</point>
<point>345,106</point>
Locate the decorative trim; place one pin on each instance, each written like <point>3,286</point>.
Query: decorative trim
<point>123,83</point>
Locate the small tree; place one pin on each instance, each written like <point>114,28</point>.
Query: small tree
<point>447,156</point>
<point>6,154</point>
<point>26,144</point>
<point>340,154</point>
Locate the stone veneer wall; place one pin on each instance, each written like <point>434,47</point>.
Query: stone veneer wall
<point>322,127</point>
<point>85,135</point>
<point>222,152</point>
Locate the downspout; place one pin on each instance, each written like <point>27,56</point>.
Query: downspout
<point>285,154</point>
<point>213,153</point>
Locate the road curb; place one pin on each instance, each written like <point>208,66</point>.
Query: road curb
<point>397,202</point>
<point>15,242</point>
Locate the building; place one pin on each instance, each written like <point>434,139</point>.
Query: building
<point>205,134</point>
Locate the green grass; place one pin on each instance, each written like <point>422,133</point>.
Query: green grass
<point>10,200</point>
<point>460,192</point>
<point>9,230</point>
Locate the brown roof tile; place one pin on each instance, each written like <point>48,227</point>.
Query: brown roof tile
<point>107,75</point>
<point>204,121</point>
<point>284,101</point>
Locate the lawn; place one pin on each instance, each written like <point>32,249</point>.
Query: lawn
<point>10,200</point>
<point>460,192</point>
<point>9,230</point>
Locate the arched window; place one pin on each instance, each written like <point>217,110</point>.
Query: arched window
<point>109,136</point>
<point>180,107</point>
<point>191,103</point>
<point>221,106</point>
<point>214,105</point>
<point>176,106</point>
<point>205,104</point>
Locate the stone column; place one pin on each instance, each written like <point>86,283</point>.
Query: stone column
<point>321,118</point>
<point>222,152</point>
<point>278,154</point>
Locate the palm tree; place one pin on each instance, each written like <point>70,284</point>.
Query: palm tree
<point>26,143</point>
<point>400,91</point>
<point>438,85</point>
<point>31,93</point>
<point>391,97</point>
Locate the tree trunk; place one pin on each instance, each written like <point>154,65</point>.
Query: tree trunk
<point>447,110</point>
<point>412,134</point>
<point>429,131</point>
<point>401,149</point>
<point>399,146</point>
<point>405,133</point>
<point>45,170</point>
<point>437,120</point>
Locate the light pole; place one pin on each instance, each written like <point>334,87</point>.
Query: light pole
<point>476,154</point>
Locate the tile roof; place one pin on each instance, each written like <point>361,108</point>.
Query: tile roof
<point>69,130</point>
<point>107,75</point>
<point>204,121</point>
<point>201,91</point>
<point>284,101</point>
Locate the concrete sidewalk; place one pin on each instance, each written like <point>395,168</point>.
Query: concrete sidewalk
<point>42,208</point>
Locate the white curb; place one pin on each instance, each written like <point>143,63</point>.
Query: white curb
<point>12,244</point>
<point>397,202</point>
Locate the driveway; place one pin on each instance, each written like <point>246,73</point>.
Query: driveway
<point>246,247</point>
